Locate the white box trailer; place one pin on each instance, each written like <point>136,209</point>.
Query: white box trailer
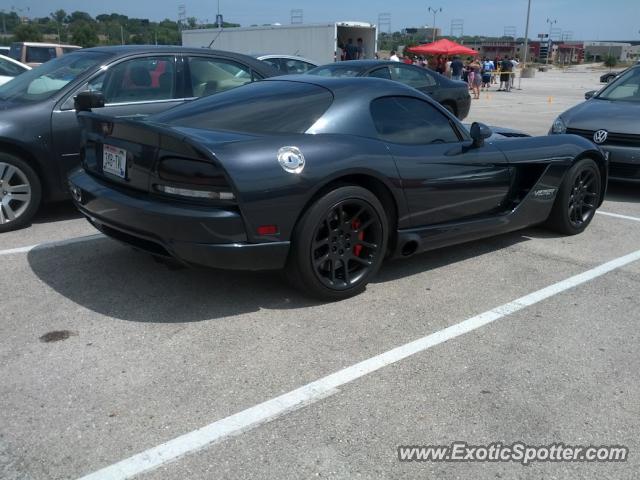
<point>319,43</point>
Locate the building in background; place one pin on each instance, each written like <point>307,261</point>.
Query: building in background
<point>598,51</point>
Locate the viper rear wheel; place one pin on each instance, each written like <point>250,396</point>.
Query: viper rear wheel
<point>339,244</point>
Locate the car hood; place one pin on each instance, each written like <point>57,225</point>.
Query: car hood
<point>595,114</point>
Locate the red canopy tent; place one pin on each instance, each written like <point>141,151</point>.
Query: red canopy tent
<point>442,47</point>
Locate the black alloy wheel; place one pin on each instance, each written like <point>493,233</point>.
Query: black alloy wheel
<point>338,244</point>
<point>346,243</point>
<point>578,198</point>
<point>583,198</point>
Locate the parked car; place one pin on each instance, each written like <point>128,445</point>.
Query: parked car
<point>4,50</point>
<point>323,177</point>
<point>288,64</point>
<point>10,68</point>
<point>39,132</point>
<point>611,119</point>
<point>35,53</point>
<point>607,77</point>
<point>452,95</point>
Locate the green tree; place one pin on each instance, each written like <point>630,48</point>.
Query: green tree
<point>59,16</point>
<point>84,34</point>
<point>27,32</point>
<point>610,61</point>
<point>80,17</point>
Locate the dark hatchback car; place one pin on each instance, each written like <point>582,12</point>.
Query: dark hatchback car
<point>39,131</point>
<point>452,95</point>
<point>610,118</point>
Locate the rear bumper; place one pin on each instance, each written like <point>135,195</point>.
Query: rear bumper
<point>194,235</point>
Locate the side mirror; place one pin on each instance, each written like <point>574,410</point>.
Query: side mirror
<point>85,101</point>
<point>479,132</point>
<point>589,94</point>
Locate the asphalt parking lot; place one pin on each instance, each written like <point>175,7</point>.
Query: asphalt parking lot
<point>468,343</point>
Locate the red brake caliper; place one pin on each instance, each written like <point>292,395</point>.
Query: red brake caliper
<point>357,249</point>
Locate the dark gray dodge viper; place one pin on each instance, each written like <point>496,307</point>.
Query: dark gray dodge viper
<point>323,177</point>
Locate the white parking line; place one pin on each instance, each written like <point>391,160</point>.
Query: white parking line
<point>44,245</point>
<point>312,392</point>
<point>617,215</point>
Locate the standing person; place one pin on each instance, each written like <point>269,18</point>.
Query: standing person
<point>360,49</point>
<point>456,68</point>
<point>515,63</point>
<point>496,67</point>
<point>505,74</point>
<point>447,68</point>
<point>351,51</point>
<point>487,69</point>
<point>393,57</point>
<point>475,79</point>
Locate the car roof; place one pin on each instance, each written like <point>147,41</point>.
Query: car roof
<point>365,64</point>
<point>129,49</point>
<point>375,87</point>
<point>287,57</point>
<point>41,44</point>
<point>125,50</point>
<point>14,61</point>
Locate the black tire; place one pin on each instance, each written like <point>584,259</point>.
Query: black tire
<point>577,199</point>
<point>339,244</point>
<point>23,202</point>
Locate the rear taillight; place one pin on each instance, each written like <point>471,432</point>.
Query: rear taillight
<point>195,179</point>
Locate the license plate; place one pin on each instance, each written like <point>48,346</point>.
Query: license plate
<point>114,161</point>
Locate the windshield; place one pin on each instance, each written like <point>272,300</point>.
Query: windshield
<point>624,88</point>
<point>337,71</point>
<point>268,107</point>
<point>49,78</point>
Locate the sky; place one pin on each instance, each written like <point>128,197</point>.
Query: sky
<point>585,19</point>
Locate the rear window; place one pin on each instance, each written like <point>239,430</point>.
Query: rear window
<point>40,54</point>
<point>337,71</point>
<point>267,107</point>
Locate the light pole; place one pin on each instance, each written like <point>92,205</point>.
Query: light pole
<point>551,23</point>
<point>526,46</point>
<point>435,11</point>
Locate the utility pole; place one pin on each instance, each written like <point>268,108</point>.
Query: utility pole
<point>526,46</point>
<point>122,34</point>
<point>435,11</point>
<point>551,23</point>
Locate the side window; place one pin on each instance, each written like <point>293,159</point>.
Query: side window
<point>137,80</point>
<point>410,121</point>
<point>40,54</point>
<point>274,62</point>
<point>9,69</point>
<point>213,75</point>
<point>413,77</point>
<point>381,73</point>
<point>296,66</point>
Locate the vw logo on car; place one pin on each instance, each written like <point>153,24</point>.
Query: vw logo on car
<point>600,136</point>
